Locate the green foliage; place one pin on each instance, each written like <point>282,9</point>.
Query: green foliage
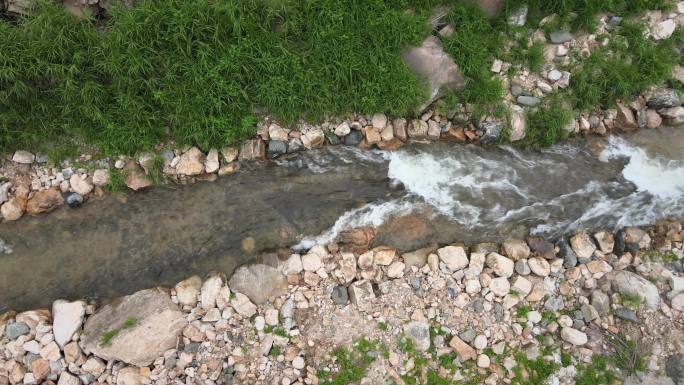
<point>383,326</point>
<point>631,301</point>
<point>596,373</point>
<point>275,351</point>
<point>130,322</point>
<point>547,124</point>
<point>198,71</point>
<point>473,46</point>
<point>352,364</point>
<point>629,64</point>
<point>106,338</point>
<point>523,311</point>
<point>627,354</point>
<point>117,180</point>
<point>532,372</point>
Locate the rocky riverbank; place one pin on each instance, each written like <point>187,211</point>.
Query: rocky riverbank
<point>592,308</point>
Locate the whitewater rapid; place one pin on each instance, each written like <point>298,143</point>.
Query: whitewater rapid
<point>552,192</point>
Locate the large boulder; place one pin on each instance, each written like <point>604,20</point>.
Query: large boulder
<point>258,282</point>
<point>430,62</point>
<point>625,282</point>
<point>135,329</point>
<point>44,201</point>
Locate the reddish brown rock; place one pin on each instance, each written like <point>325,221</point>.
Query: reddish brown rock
<point>136,179</point>
<point>44,201</point>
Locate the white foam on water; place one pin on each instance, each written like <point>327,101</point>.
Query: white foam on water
<point>372,214</point>
<point>661,177</point>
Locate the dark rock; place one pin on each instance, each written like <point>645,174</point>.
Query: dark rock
<point>601,302</point>
<point>339,295</point>
<point>560,37</point>
<point>554,304</point>
<point>355,137</point>
<point>498,312</point>
<point>74,200</point>
<point>492,131</point>
<point>614,21</point>
<point>478,305</point>
<point>542,247</point>
<point>14,330</point>
<point>566,252</point>
<point>626,314</point>
<point>674,368</point>
<point>333,139</point>
<point>516,90</point>
<point>664,99</point>
<point>276,148</point>
<point>619,247</point>
<point>468,336</point>
<point>192,347</point>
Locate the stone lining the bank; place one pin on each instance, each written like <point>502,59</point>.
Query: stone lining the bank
<point>278,323</point>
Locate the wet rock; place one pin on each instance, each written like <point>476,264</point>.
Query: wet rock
<point>560,37</point>
<point>454,257</point>
<point>23,157</point>
<point>44,201</point>
<point>276,148</point>
<point>663,99</point>
<point>502,266</point>
<point>11,210</point>
<point>542,247</point>
<point>354,138</point>
<point>243,305</point>
<point>254,149</point>
<point>653,119</point>
<point>432,63</point>
<point>529,101</point>
<point>625,119</point>
<point>135,329</point>
<point>492,131</point>
<point>258,282</point>
<point>67,320</point>
<point>16,329</point>
<point>339,295</point>
<point>673,116</point>
<point>191,162</point>
<point>574,336</point>
<point>188,290</point>
<point>583,246</point>
<point>419,333</point>
<point>629,283</point>
<point>516,249</point>
<point>626,314</point>
<point>74,200</point>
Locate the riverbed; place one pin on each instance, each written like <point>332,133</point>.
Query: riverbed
<point>421,194</point>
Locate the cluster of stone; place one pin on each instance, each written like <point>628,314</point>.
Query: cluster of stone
<point>278,322</point>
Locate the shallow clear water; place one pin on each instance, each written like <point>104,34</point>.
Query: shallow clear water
<point>418,195</point>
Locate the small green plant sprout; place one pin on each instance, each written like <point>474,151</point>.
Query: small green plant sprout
<point>130,322</point>
<point>631,300</point>
<point>106,339</point>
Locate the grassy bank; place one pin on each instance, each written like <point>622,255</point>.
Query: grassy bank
<point>201,72</point>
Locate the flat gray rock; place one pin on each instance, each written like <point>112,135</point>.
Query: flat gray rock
<point>258,282</point>
<point>135,329</point>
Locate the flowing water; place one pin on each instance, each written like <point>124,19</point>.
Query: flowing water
<point>419,195</point>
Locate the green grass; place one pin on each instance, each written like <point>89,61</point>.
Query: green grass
<point>117,180</point>
<point>532,372</point>
<point>631,301</point>
<point>130,322</point>
<point>627,355</point>
<point>383,326</point>
<point>199,71</point>
<point>352,364</point>
<point>627,66</point>
<point>596,373</point>
<point>522,311</point>
<point>275,351</point>
<point>547,124</point>
<point>106,339</point>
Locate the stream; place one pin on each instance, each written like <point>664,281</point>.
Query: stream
<point>419,195</point>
